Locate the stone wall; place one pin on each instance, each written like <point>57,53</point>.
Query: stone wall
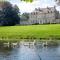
<point>43,16</point>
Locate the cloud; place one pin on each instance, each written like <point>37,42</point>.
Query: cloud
<point>29,7</point>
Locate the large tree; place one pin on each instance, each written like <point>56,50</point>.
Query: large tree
<point>27,0</point>
<point>9,14</point>
<point>57,1</point>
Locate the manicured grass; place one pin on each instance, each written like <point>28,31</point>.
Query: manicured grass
<point>30,32</point>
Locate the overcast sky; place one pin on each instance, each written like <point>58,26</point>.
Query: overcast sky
<point>29,7</point>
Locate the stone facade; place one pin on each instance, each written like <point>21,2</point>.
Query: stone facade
<point>44,16</point>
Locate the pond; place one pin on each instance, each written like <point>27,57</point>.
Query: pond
<point>30,53</point>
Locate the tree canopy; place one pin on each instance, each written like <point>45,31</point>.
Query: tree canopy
<point>8,14</point>
<point>27,0</point>
<point>57,1</point>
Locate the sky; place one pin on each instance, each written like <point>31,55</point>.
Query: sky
<point>29,7</point>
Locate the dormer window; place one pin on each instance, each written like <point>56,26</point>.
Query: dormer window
<point>51,11</point>
<point>34,13</point>
<point>48,11</point>
<point>36,9</point>
<point>39,9</point>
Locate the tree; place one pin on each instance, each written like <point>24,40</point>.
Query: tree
<point>57,1</point>
<point>25,16</point>
<point>9,14</point>
<point>27,0</point>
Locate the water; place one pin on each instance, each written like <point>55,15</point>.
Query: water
<point>31,53</point>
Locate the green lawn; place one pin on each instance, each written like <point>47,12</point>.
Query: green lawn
<point>30,32</point>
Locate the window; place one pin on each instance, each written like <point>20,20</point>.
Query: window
<point>48,11</point>
<point>51,11</point>
<point>34,13</point>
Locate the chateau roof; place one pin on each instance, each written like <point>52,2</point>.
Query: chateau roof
<point>45,10</point>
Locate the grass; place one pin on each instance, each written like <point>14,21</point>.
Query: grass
<point>30,32</point>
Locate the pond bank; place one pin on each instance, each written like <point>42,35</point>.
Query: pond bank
<point>42,43</point>
<point>30,39</point>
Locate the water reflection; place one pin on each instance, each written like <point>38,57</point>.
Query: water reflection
<point>30,52</point>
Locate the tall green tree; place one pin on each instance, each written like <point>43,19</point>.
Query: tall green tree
<point>9,14</point>
<point>27,0</point>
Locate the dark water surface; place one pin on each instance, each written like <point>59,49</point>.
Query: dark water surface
<point>31,53</point>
